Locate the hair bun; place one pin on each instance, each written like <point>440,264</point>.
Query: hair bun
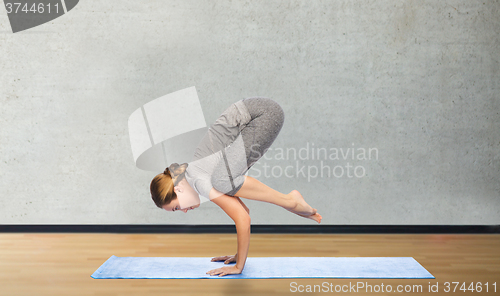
<point>173,166</point>
<point>176,171</point>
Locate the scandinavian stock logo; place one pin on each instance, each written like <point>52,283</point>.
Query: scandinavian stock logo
<point>24,15</point>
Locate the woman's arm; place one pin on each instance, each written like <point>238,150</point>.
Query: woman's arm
<point>241,218</point>
<point>244,206</point>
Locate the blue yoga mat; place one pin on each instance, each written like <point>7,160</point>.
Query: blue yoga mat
<point>263,268</point>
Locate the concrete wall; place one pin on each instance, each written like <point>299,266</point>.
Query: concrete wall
<point>416,81</point>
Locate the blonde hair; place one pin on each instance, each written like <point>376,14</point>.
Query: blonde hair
<point>162,185</point>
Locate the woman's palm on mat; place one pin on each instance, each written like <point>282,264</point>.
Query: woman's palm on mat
<point>226,259</point>
<point>225,270</point>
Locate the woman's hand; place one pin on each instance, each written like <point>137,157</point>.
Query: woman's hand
<point>226,259</point>
<point>225,270</point>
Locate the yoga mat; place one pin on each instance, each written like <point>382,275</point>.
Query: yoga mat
<point>263,268</point>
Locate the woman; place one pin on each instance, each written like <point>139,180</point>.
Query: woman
<point>237,139</point>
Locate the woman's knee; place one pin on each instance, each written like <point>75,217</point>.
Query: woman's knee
<point>275,111</point>
<point>280,114</point>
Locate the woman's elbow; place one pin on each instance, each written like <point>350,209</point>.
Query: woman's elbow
<point>243,220</point>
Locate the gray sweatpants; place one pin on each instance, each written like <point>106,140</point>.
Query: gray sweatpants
<point>242,136</point>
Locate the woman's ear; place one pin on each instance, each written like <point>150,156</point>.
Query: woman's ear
<point>177,189</point>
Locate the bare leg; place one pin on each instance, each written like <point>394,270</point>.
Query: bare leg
<point>293,201</point>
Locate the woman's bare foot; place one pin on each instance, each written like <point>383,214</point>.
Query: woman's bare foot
<point>316,217</point>
<point>301,208</point>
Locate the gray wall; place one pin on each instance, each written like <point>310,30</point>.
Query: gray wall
<point>416,80</point>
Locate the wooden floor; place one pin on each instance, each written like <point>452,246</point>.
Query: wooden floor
<point>61,264</point>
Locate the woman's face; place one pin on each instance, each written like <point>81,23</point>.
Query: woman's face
<point>187,198</point>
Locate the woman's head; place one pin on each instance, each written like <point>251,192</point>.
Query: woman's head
<point>162,186</point>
